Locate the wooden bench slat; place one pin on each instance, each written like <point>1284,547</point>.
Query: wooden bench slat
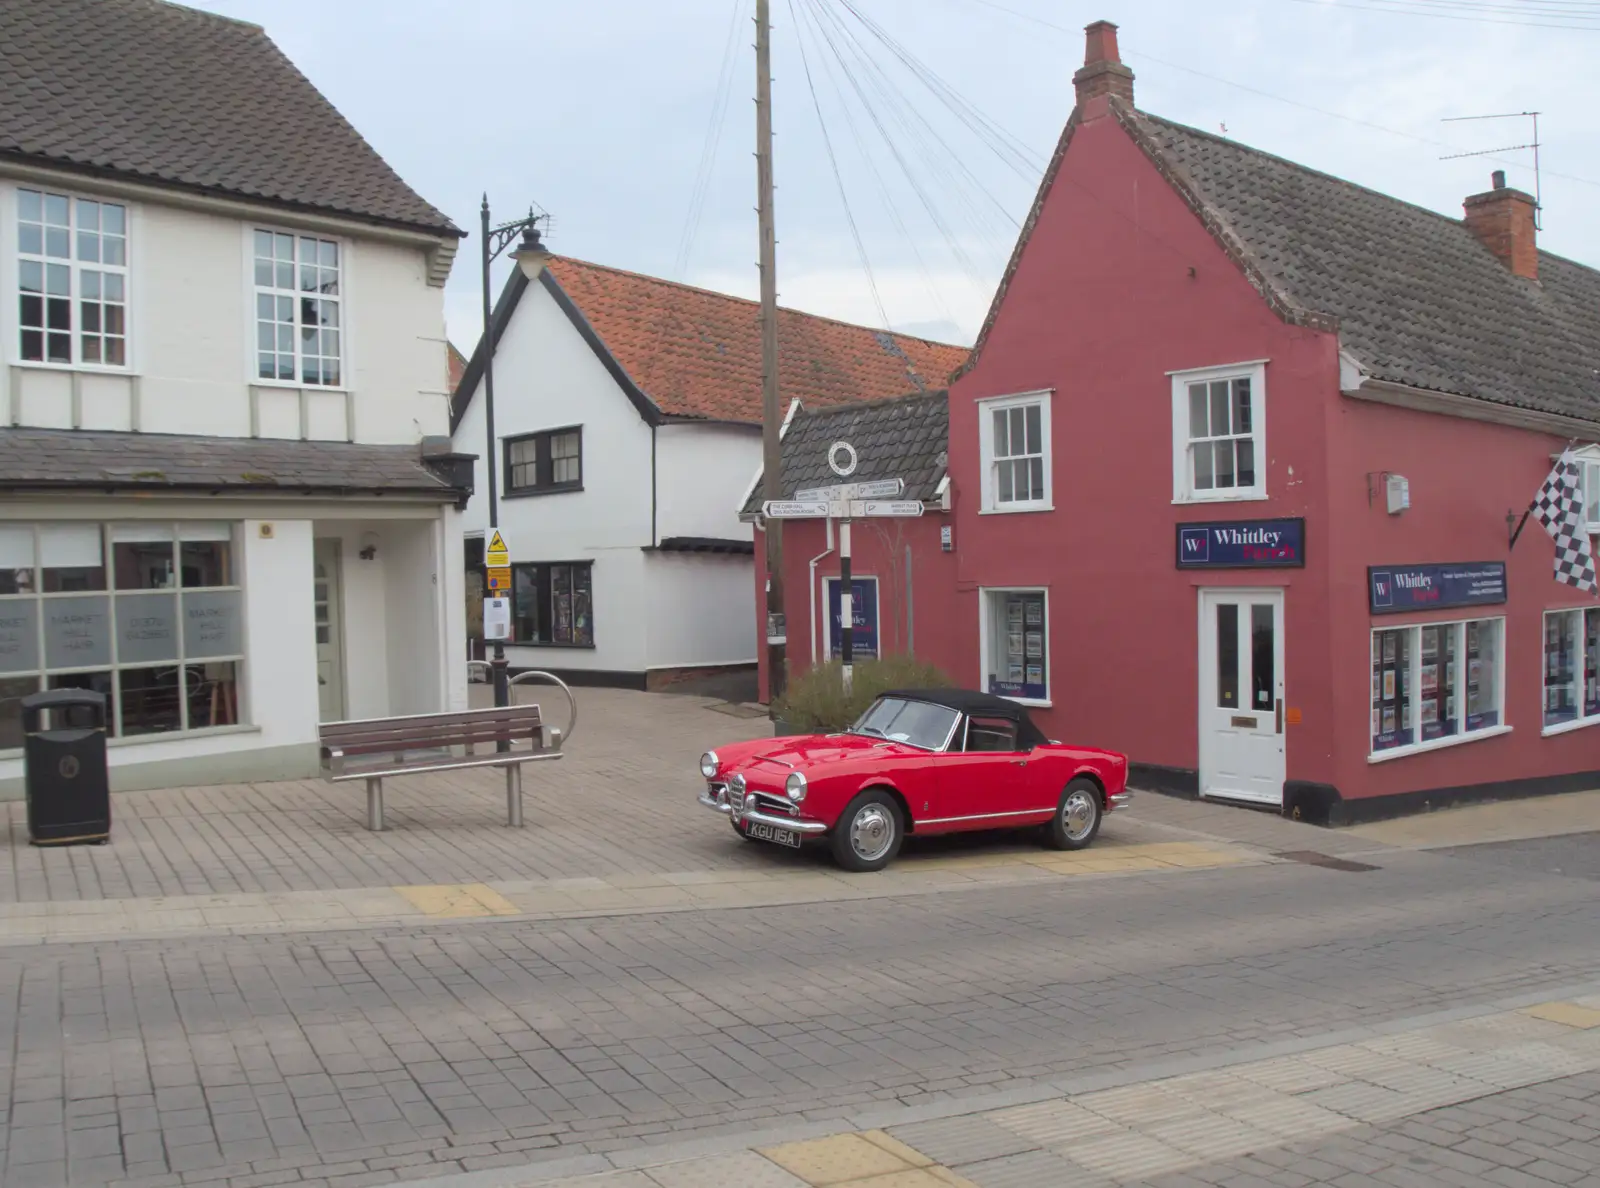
<point>455,736</point>
<point>335,730</point>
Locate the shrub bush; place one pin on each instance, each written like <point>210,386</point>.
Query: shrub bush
<point>815,702</point>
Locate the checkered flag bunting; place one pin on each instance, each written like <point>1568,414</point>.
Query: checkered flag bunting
<point>1559,506</point>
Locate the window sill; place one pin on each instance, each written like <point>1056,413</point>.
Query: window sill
<point>566,647</point>
<point>1569,727</point>
<point>1250,497</point>
<point>534,492</point>
<point>292,386</point>
<point>69,368</point>
<point>139,740</point>
<point>1032,702</point>
<point>1438,744</point>
<point>1021,509</point>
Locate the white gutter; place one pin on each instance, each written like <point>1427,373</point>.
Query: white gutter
<point>811,587</point>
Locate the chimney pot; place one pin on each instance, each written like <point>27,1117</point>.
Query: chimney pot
<point>1502,220</point>
<point>1103,72</point>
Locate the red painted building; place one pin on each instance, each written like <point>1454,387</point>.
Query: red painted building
<point>1232,472</point>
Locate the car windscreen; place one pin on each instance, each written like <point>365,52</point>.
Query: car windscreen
<point>919,723</point>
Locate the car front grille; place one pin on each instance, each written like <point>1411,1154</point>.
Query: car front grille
<point>766,802</point>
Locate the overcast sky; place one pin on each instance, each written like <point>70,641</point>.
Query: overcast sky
<point>599,112</point>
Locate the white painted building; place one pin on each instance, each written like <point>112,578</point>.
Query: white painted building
<point>226,495</point>
<point>628,427</point>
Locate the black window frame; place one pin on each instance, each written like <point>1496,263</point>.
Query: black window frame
<point>539,578</point>
<point>543,464</point>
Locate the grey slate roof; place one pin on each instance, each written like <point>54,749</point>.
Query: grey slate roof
<point>37,459</point>
<point>1418,300</point>
<point>905,437</point>
<point>163,93</point>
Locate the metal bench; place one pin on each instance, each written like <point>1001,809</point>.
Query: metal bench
<point>377,748</point>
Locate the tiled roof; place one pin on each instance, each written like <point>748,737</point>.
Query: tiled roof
<point>695,353</point>
<point>1417,298</point>
<point>906,437</point>
<point>167,94</point>
<point>33,459</point>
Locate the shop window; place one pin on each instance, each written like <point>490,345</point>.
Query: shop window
<point>542,463</point>
<point>1016,644</point>
<point>171,621</point>
<point>1435,683</point>
<point>1218,435</point>
<point>1571,668</point>
<point>1014,443</point>
<point>553,604</point>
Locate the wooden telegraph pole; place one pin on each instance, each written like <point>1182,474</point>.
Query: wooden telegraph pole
<point>771,412</point>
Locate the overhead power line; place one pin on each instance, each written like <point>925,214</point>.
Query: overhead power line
<point>708,150</point>
<point>838,178</point>
<point>1477,14</point>
<point>1239,86</point>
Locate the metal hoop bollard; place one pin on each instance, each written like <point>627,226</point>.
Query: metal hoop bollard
<point>572,702</point>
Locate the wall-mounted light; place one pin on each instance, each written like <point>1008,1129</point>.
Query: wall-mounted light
<point>369,546</point>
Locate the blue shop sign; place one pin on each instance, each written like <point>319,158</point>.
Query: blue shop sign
<point>1393,588</point>
<point>863,619</point>
<point>1242,544</point>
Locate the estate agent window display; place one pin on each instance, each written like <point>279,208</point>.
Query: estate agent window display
<point>1571,669</point>
<point>1435,684</point>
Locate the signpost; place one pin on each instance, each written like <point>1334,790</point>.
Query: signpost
<point>497,564</point>
<point>845,502</point>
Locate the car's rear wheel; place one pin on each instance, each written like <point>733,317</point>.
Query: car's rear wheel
<point>1077,818</point>
<point>869,832</point>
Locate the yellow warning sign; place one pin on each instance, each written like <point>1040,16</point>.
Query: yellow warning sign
<point>496,554</point>
<point>500,578</point>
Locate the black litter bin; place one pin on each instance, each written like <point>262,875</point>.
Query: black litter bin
<point>64,767</point>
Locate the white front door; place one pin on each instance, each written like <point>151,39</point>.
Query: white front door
<point>330,634</point>
<point>1241,695</point>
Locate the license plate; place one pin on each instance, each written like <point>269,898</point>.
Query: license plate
<point>771,833</point>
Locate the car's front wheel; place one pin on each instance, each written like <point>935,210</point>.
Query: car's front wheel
<point>869,832</point>
<point>1077,818</point>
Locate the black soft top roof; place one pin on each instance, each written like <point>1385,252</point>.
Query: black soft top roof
<point>970,701</point>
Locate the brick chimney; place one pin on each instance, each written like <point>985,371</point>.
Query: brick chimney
<point>1502,219</point>
<point>1103,72</point>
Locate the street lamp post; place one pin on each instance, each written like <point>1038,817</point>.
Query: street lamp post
<point>531,256</point>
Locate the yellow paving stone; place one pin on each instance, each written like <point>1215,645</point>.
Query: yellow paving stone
<point>896,1148</point>
<point>1568,1014</point>
<point>450,901</point>
<point>920,1177</point>
<point>839,1159</point>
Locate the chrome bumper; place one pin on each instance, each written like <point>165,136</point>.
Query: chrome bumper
<point>1120,800</point>
<point>719,803</point>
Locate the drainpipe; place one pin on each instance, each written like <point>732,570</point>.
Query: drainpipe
<point>812,587</point>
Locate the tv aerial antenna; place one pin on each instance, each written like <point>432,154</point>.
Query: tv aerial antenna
<point>1538,197</point>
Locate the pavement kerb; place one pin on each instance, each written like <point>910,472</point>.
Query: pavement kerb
<point>739,1138</point>
<point>720,891</point>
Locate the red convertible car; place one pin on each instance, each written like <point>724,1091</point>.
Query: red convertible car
<point>921,761</point>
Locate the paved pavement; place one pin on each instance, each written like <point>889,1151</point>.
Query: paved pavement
<point>1498,1098</point>
<point>248,988</point>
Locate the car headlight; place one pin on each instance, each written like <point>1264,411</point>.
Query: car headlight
<point>795,786</point>
<point>709,764</point>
